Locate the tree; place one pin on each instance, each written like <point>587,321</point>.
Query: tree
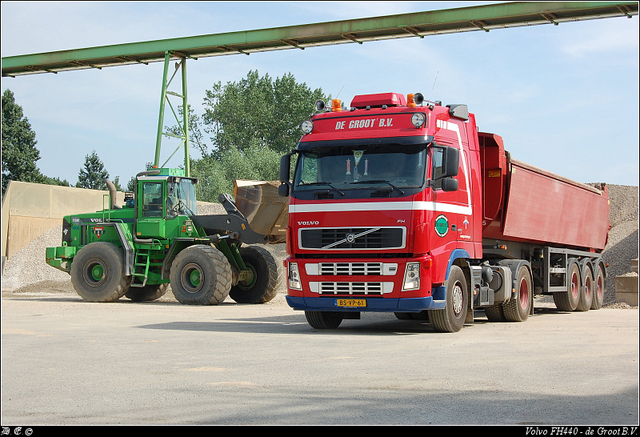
<point>93,174</point>
<point>19,152</point>
<point>257,110</point>
<point>216,176</point>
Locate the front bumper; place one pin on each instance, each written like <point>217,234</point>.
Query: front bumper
<point>409,305</point>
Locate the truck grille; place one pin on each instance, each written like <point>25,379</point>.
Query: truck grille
<point>351,288</point>
<point>351,269</point>
<point>352,238</point>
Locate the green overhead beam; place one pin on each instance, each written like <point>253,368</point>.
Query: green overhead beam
<point>419,24</point>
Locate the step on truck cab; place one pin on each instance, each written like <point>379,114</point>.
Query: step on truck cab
<point>400,205</point>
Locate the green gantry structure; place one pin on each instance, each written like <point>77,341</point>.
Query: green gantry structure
<point>419,24</point>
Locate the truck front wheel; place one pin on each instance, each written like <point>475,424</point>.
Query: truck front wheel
<point>452,317</point>
<point>200,275</point>
<point>323,319</point>
<point>262,287</point>
<point>97,273</point>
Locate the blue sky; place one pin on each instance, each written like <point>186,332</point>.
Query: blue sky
<point>564,98</point>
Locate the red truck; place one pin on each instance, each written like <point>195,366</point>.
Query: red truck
<point>400,205</point>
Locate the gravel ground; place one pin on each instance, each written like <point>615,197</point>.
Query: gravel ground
<point>27,272</point>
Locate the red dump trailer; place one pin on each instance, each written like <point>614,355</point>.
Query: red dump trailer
<point>401,205</point>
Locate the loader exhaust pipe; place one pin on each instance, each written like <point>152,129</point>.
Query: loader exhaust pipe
<point>112,194</point>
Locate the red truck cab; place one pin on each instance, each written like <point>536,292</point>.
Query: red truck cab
<point>386,205</point>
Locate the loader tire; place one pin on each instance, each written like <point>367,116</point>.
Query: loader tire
<point>263,287</point>
<point>97,273</point>
<point>200,275</point>
<point>452,317</point>
<point>148,293</point>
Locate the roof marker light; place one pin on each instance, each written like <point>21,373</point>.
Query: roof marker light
<point>410,102</point>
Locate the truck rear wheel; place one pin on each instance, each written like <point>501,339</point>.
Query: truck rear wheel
<point>97,273</point>
<point>452,317</point>
<point>518,308</point>
<point>598,289</point>
<point>586,291</point>
<point>200,275</point>
<point>263,286</point>
<point>568,300</point>
<point>323,319</point>
<point>148,293</point>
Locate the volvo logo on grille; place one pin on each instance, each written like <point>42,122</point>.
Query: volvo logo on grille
<point>351,238</point>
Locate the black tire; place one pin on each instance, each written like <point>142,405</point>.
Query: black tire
<point>586,290</point>
<point>200,275</point>
<point>323,319</point>
<point>148,293</point>
<point>97,273</point>
<point>422,315</point>
<point>264,285</point>
<point>598,289</point>
<point>452,317</point>
<point>518,308</point>
<point>568,300</point>
<point>495,313</point>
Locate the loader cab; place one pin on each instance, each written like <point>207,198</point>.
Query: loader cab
<point>161,198</point>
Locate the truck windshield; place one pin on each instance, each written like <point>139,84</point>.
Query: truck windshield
<point>182,197</point>
<point>366,166</point>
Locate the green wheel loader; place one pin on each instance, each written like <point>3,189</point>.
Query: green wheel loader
<point>157,239</point>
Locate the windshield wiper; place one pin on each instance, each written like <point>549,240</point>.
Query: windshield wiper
<point>323,183</point>
<point>378,181</point>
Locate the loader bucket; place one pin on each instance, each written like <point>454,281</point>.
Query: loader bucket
<point>266,211</point>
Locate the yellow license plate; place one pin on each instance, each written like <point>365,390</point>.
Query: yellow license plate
<point>350,303</point>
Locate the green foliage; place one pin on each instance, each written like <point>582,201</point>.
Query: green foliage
<point>19,152</point>
<point>93,174</point>
<point>257,110</point>
<point>216,176</point>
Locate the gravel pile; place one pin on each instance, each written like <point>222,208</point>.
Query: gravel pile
<point>27,271</point>
<point>622,245</point>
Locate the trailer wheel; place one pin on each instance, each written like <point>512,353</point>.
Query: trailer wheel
<point>323,319</point>
<point>97,273</point>
<point>148,293</point>
<point>452,317</point>
<point>586,291</point>
<point>598,289</point>
<point>200,275</point>
<point>568,300</point>
<point>517,309</point>
<point>263,287</point>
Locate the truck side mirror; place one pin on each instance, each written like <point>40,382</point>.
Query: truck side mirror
<point>449,184</point>
<point>285,163</point>
<point>451,161</point>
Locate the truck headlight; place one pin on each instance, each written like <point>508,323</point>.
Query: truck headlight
<point>294,277</point>
<point>418,119</point>
<point>411,276</point>
<point>307,126</point>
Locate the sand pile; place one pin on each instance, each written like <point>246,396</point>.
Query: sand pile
<point>28,272</point>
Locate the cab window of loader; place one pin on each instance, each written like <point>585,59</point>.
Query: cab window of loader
<point>152,199</point>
